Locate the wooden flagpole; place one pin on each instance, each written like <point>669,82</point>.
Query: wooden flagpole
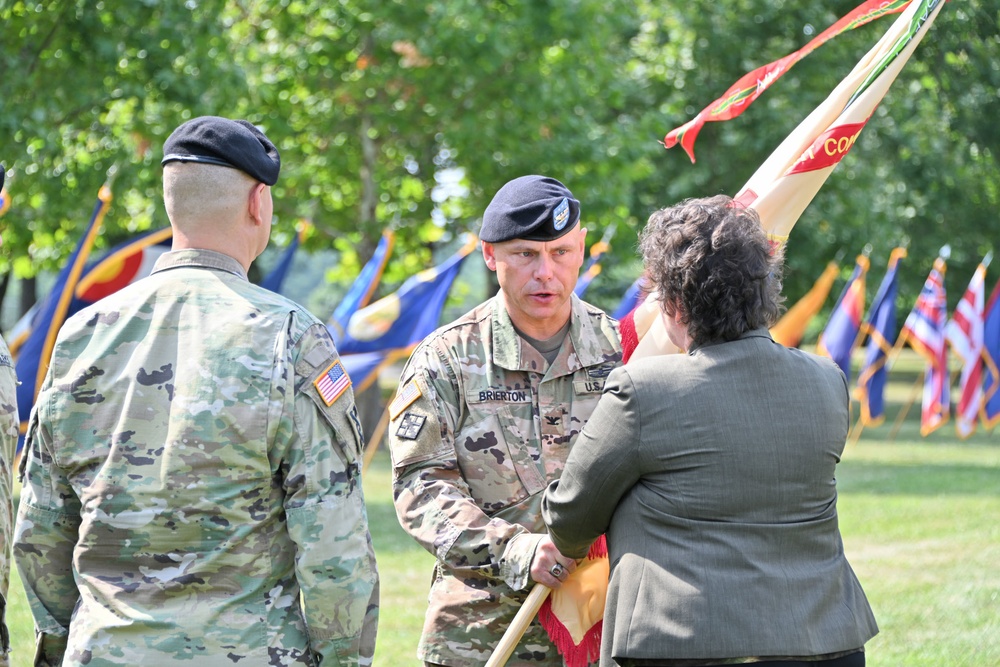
<point>518,626</point>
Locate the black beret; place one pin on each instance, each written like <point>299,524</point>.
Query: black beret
<point>535,208</point>
<point>236,144</point>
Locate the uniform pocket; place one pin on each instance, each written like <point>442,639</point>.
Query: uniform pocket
<point>487,465</point>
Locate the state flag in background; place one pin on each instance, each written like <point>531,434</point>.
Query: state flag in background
<point>924,331</point>
<point>35,353</point>
<point>790,329</point>
<point>965,335</point>
<point>880,327</point>
<point>991,357</point>
<point>841,333</point>
<point>392,326</point>
<point>360,292</point>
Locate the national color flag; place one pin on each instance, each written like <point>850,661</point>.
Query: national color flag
<point>33,356</point>
<point>276,278</point>
<point>924,331</point>
<point>965,333</point>
<point>790,329</point>
<point>360,292</point>
<point>394,324</point>
<point>753,84</point>
<point>880,327</point>
<point>991,358</point>
<point>841,334</point>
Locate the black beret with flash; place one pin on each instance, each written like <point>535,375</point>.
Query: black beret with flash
<point>535,208</point>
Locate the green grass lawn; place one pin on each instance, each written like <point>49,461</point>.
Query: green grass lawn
<point>921,524</point>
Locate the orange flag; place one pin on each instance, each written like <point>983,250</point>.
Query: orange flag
<point>792,326</point>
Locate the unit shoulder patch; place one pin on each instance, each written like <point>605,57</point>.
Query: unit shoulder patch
<point>409,427</point>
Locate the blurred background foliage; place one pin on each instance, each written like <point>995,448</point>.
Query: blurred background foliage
<point>411,115</point>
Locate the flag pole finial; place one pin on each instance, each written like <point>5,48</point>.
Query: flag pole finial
<point>989,258</point>
<point>945,251</point>
<point>867,250</point>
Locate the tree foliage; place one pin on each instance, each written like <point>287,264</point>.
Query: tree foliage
<point>413,114</point>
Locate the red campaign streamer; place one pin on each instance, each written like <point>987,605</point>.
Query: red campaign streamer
<point>753,84</point>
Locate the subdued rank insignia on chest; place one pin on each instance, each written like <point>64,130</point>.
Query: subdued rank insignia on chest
<point>332,382</point>
<point>5,360</point>
<point>410,427</point>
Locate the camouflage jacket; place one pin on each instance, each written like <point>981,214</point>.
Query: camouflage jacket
<point>479,427</point>
<point>192,489</point>
<point>9,423</point>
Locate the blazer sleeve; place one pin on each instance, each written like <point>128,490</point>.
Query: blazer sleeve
<point>602,467</point>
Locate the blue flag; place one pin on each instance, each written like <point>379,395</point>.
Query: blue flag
<point>880,326</point>
<point>361,290</point>
<point>276,278</point>
<point>634,296</point>
<point>991,358</point>
<point>393,325</point>
<point>36,351</point>
<point>838,339</point>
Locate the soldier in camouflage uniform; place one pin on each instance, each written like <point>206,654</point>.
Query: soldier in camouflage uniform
<point>8,444</point>
<point>487,411</point>
<point>192,493</point>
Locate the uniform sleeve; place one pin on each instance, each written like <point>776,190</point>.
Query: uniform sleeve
<point>335,562</point>
<point>601,468</point>
<point>433,502</point>
<point>46,532</point>
<point>8,445</point>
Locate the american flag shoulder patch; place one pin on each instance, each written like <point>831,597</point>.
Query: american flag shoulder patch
<point>332,382</point>
<point>408,393</point>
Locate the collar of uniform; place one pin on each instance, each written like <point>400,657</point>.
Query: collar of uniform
<point>507,345</point>
<point>194,257</point>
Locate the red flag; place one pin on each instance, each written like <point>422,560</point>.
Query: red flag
<point>753,84</point>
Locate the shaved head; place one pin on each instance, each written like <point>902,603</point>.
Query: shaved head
<point>200,195</point>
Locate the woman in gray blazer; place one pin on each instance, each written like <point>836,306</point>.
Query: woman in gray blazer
<point>712,472</point>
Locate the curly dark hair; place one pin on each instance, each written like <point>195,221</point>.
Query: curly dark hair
<point>711,259</point>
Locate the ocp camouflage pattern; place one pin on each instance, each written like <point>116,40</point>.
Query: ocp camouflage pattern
<point>9,424</point>
<point>189,497</point>
<point>496,423</point>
